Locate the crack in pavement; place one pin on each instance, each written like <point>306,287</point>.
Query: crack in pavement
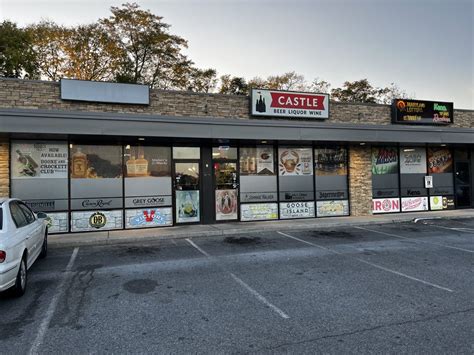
<point>388,325</point>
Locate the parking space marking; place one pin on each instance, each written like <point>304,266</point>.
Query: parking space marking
<point>465,230</point>
<point>242,283</point>
<point>380,267</point>
<point>52,306</point>
<point>415,240</point>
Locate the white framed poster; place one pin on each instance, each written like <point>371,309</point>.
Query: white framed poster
<point>295,161</point>
<point>84,221</point>
<point>149,217</point>
<point>412,160</point>
<point>187,206</point>
<point>258,212</point>
<point>414,204</point>
<point>332,208</point>
<point>265,164</point>
<point>226,205</point>
<point>385,205</point>
<point>436,203</point>
<point>57,222</point>
<point>290,210</point>
<point>39,159</point>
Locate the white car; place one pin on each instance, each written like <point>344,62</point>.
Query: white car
<point>23,238</point>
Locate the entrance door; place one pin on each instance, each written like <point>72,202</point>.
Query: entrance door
<point>186,190</point>
<point>225,183</point>
<point>462,184</point>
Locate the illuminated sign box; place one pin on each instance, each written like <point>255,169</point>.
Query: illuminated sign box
<point>422,112</point>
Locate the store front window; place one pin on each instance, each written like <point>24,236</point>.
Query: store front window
<point>440,167</point>
<point>414,195</point>
<point>226,183</point>
<point>385,180</point>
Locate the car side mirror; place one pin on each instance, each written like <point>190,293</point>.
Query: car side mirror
<point>41,215</point>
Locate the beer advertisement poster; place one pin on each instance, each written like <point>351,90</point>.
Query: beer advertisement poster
<point>150,217</point>
<point>413,161</point>
<point>258,212</point>
<point>39,159</point>
<point>290,210</point>
<point>265,164</point>
<point>384,160</point>
<point>440,160</point>
<point>187,206</point>
<point>226,204</point>
<point>332,208</point>
<point>330,161</point>
<point>295,161</point>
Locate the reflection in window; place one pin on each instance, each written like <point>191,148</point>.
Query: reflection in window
<point>187,176</point>
<point>186,153</point>
<point>224,152</point>
<point>330,161</point>
<point>93,161</point>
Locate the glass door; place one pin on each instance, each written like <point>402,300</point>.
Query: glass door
<point>463,188</point>
<point>226,183</point>
<point>186,188</point>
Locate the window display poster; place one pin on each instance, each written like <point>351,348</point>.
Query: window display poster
<point>92,162</point>
<point>187,206</point>
<point>150,217</point>
<point>332,208</point>
<point>84,221</point>
<point>296,210</point>
<point>330,161</point>
<point>412,161</point>
<point>385,205</point>
<point>259,212</point>
<point>57,222</point>
<point>39,159</point>
<point>440,160</point>
<point>414,204</point>
<point>295,161</point>
<point>226,204</point>
<point>441,203</point>
<point>384,160</point>
<point>147,161</point>
<point>265,164</point>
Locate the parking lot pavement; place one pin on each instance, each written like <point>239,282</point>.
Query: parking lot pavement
<point>397,288</point>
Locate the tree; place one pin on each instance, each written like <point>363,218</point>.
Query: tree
<point>17,56</point>
<point>394,92</point>
<point>358,91</point>
<point>233,85</point>
<point>202,80</point>
<point>150,50</point>
<point>287,81</point>
<point>320,86</point>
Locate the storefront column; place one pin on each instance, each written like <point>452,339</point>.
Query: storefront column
<point>360,180</point>
<point>4,169</point>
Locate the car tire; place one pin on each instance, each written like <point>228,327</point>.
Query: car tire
<point>44,247</point>
<point>21,279</point>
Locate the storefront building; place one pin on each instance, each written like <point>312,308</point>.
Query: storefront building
<point>103,156</point>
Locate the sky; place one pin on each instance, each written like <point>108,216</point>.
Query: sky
<point>424,46</point>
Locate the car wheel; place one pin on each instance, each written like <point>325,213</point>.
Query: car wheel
<point>21,279</point>
<point>44,247</point>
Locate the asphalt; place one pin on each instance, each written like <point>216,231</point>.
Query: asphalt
<point>398,287</point>
<point>233,228</point>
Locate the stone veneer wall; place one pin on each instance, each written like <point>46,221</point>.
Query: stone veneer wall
<point>4,169</point>
<point>360,180</point>
<point>30,94</point>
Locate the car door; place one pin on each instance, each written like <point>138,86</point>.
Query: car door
<point>21,232</point>
<point>35,228</point>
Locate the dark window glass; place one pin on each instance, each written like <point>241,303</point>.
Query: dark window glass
<point>94,161</point>
<point>17,215</point>
<point>30,217</point>
<point>147,161</point>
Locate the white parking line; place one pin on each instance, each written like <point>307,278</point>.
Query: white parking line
<point>52,306</point>
<point>369,263</point>
<point>415,240</point>
<point>253,292</point>
<point>465,230</point>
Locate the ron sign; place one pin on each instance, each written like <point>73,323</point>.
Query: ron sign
<point>289,104</point>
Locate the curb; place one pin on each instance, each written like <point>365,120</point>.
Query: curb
<point>111,238</point>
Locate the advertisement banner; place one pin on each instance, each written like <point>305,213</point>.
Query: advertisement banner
<point>258,212</point>
<point>151,217</point>
<point>385,205</point>
<point>96,162</point>
<point>187,206</point>
<point>422,112</point>
<point>40,159</point>
<point>57,222</point>
<point>384,160</point>
<point>226,205</point>
<point>265,164</point>
<point>147,161</point>
<point>84,221</point>
<point>330,161</point>
<point>289,104</point>
<point>295,161</point>
<point>436,203</point>
<point>332,208</point>
<point>440,160</point>
<point>290,210</point>
<point>414,204</point>
<point>412,160</point>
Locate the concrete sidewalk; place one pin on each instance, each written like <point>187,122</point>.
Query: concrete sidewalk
<point>187,231</point>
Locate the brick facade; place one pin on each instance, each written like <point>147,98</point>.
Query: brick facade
<point>360,180</point>
<point>4,169</point>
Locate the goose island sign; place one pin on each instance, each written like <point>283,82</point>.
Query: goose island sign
<point>289,104</point>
